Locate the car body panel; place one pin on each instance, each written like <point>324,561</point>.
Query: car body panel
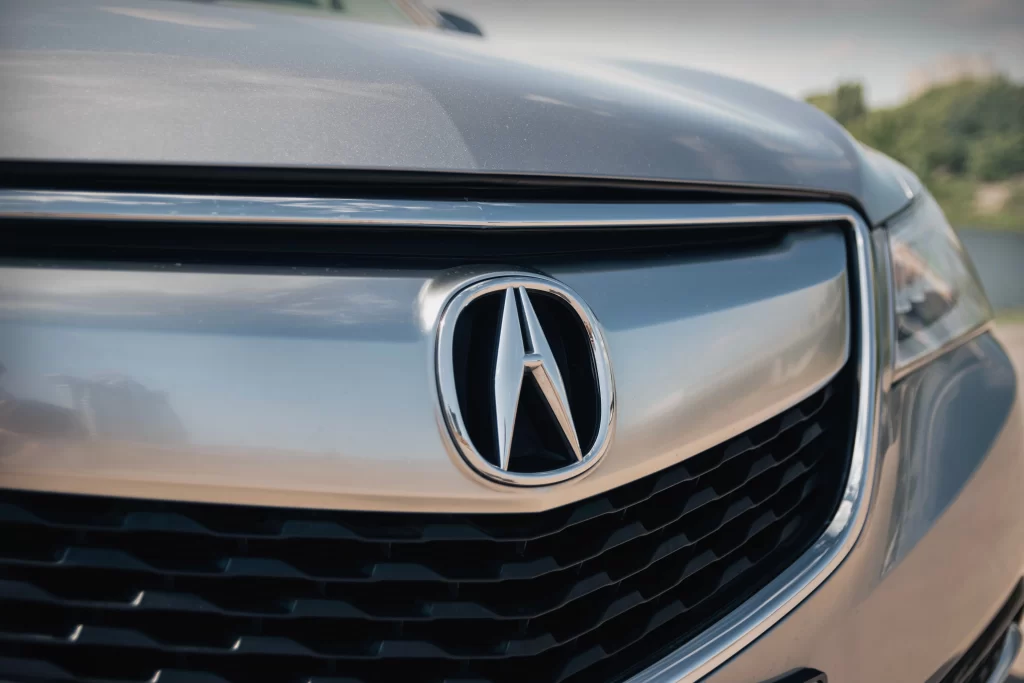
<point>166,81</point>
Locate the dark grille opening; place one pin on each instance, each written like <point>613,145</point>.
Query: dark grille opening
<point>107,589</point>
<point>202,247</point>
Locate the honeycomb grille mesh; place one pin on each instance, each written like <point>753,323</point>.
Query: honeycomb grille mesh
<point>101,589</point>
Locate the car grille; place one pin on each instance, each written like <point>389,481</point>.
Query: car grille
<point>98,588</point>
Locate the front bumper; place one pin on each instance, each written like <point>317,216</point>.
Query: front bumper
<point>942,545</point>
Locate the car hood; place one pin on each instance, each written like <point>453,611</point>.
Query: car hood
<point>181,82</point>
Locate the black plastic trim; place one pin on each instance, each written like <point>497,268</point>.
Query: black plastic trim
<point>963,671</point>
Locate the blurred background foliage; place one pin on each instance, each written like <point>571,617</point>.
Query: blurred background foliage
<point>965,140</point>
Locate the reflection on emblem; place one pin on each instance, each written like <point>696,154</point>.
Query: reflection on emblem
<point>524,380</point>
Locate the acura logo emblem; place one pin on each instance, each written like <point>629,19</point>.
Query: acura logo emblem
<point>524,380</point>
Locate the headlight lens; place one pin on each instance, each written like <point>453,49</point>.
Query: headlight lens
<point>938,297</point>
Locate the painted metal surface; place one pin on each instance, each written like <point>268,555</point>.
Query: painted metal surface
<point>168,81</point>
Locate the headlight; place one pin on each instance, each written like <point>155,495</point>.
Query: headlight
<point>938,298</point>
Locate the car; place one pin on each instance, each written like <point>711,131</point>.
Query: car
<point>343,349</point>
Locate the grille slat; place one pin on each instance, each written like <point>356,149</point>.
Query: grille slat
<point>154,517</point>
<point>538,644</point>
<point>111,560</point>
<point>391,571</point>
<point>118,589</point>
<point>25,592</point>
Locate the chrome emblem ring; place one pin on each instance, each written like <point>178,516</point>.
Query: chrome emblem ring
<point>540,362</point>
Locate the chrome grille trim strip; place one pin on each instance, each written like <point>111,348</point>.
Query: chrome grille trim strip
<point>743,625</point>
<point>930,356</point>
<point>113,206</point>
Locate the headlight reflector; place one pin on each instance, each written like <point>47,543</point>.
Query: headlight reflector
<point>938,297</point>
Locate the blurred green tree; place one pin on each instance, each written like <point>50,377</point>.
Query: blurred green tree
<point>955,136</point>
<point>996,157</point>
<point>845,104</point>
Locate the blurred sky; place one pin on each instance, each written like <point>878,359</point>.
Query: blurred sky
<point>794,46</point>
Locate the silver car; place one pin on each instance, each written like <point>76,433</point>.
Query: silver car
<point>336,345</point>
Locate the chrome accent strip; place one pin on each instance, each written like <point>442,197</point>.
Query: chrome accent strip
<point>110,206</point>
<point>1009,652</point>
<point>757,614</point>
<point>744,624</point>
<point>955,343</point>
<point>885,315</point>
